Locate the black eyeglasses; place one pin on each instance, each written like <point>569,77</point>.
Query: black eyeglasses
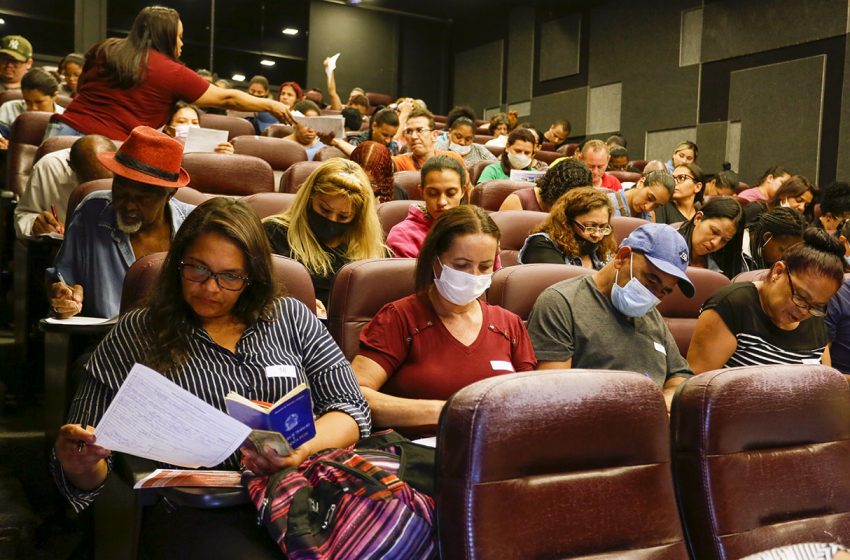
<point>814,310</point>
<point>593,230</point>
<point>199,274</point>
<point>682,178</point>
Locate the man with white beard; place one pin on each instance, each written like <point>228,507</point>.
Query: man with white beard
<point>110,230</point>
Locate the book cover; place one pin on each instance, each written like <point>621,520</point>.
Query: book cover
<point>291,415</point>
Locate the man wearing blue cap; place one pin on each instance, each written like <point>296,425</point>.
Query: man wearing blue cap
<point>608,320</point>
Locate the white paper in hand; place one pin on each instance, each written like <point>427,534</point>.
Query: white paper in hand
<point>324,125</point>
<point>331,65</point>
<point>203,139</point>
<point>152,417</point>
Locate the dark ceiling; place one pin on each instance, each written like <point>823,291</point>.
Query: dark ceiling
<point>440,9</point>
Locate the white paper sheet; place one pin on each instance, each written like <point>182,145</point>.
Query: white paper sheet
<point>204,139</point>
<point>324,124</point>
<point>152,417</point>
<point>82,320</point>
<point>427,441</point>
<point>331,65</point>
<point>526,175</point>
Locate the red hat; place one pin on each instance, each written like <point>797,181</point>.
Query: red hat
<point>149,157</point>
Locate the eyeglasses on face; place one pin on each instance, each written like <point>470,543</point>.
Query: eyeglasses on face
<point>682,178</point>
<point>814,310</point>
<point>593,230</point>
<point>416,131</point>
<point>199,274</point>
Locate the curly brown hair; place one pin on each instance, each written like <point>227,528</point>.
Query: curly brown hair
<point>572,204</point>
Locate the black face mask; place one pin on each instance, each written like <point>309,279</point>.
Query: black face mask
<point>586,247</point>
<point>323,228</point>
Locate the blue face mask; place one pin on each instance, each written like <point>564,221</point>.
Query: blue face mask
<point>634,299</point>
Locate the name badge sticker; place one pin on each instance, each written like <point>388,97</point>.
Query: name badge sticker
<point>660,348</point>
<point>281,370</point>
<point>811,361</point>
<point>501,365</point>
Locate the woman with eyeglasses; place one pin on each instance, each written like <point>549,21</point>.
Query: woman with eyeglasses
<point>776,320</point>
<point>216,323</point>
<point>715,235</point>
<point>577,232</point>
<point>687,196</point>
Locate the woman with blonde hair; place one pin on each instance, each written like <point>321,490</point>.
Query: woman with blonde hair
<point>332,222</point>
<point>578,232</point>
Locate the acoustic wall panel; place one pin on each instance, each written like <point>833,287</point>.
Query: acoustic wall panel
<point>570,104</point>
<point>660,143</point>
<point>520,53</point>
<point>691,37</point>
<point>843,166</point>
<point>733,145</point>
<point>779,106</point>
<point>478,76</point>
<point>711,139</point>
<point>560,42</point>
<point>604,107</point>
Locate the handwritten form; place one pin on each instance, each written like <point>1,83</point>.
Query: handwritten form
<point>152,417</point>
<point>204,139</point>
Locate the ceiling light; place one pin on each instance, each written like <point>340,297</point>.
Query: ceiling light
<point>266,62</point>
<point>290,31</point>
<point>2,21</point>
<point>238,78</point>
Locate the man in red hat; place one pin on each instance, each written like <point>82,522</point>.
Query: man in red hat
<point>110,230</point>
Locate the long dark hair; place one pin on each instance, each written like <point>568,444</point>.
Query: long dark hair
<point>820,254</point>
<point>123,62</point>
<point>778,222</point>
<point>461,220</point>
<point>171,318</point>
<point>727,258</point>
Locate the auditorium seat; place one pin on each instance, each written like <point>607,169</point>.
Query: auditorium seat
<point>376,99</point>
<point>268,204</point>
<point>557,464</point>
<point>10,95</point>
<point>624,225</point>
<point>750,275</point>
<point>549,147</point>
<point>278,130</point>
<point>625,176</point>
<point>515,225</point>
<point>329,152</point>
<point>330,112</point>
<point>496,151</point>
<point>492,194</point>
<point>228,174</point>
<point>547,157</point>
<point>143,278</point>
<point>408,181</point>
<point>25,137</point>
<point>762,458</point>
<point>53,144</point>
<point>441,119</point>
<point>391,213</point>
<point>568,149</point>
<point>516,288</point>
<point>482,138</point>
<point>681,313</point>
<point>184,194</point>
<point>292,179</point>
<point>742,186</point>
<point>234,126</point>
<point>638,164</point>
<point>477,169</point>
<point>360,290</point>
<point>280,154</point>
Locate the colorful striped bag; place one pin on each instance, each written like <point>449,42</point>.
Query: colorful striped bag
<point>340,505</point>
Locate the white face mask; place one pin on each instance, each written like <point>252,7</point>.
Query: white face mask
<point>462,150</point>
<point>460,287</point>
<point>519,161</point>
<point>181,131</point>
<point>634,299</point>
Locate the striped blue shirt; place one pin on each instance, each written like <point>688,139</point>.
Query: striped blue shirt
<point>293,337</point>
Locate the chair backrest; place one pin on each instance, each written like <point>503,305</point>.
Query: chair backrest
<point>492,194</point>
<point>496,150</point>
<point>329,152</point>
<point>360,290</point>
<point>10,95</point>
<point>409,181</point>
<point>638,164</point>
<point>625,176</point>
<point>568,149</point>
<point>476,169</point>
<point>547,156</point>
<point>624,225</point>
<point>376,99</point>
<point>268,204</point>
<point>392,212</point>
<point>143,277</point>
<point>742,186</point>
<point>278,130</point>
<point>25,137</point>
<point>762,458</point>
<point>516,288</point>
<point>751,275</point>
<point>482,138</point>
<point>515,225</point>
<point>550,465</point>
<point>54,144</point>
<point>228,174</point>
<point>549,147</point>
<point>280,154</point>
<point>681,313</point>
<point>235,126</point>
<point>295,176</point>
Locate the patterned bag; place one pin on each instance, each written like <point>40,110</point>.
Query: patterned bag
<point>339,505</point>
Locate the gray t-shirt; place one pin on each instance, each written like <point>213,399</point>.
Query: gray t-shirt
<point>573,319</point>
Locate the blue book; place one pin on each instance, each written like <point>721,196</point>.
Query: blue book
<point>291,415</point>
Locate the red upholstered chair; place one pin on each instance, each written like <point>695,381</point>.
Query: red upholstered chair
<point>392,212</point>
<point>360,290</point>
<point>376,99</point>
<point>278,130</point>
<point>681,313</point>
<point>477,169</point>
<point>330,112</point>
<point>492,194</point>
<point>548,157</point>
<point>26,135</point>
<point>638,164</point>
<point>762,458</point>
<point>409,182</point>
<point>568,149</point>
<point>329,152</point>
<point>515,225</point>
<point>496,151</point>
<point>234,126</point>
<point>228,174</point>
<point>292,179</point>
<point>516,288</point>
<point>54,144</point>
<point>10,95</point>
<point>184,194</point>
<point>557,464</point>
<point>549,147</point>
<point>280,154</point>
<point>742,186</point>
<point>63,100</point>
<point>483,138</point>
<point>625,176</point>
<point>750,275</point>
<point>623,226</point>
<point>268,204</point>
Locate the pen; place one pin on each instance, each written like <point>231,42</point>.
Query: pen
<point>80,446</point>
<point>53,211</point>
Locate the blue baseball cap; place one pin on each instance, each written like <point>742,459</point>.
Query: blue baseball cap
<point>665,248</point>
